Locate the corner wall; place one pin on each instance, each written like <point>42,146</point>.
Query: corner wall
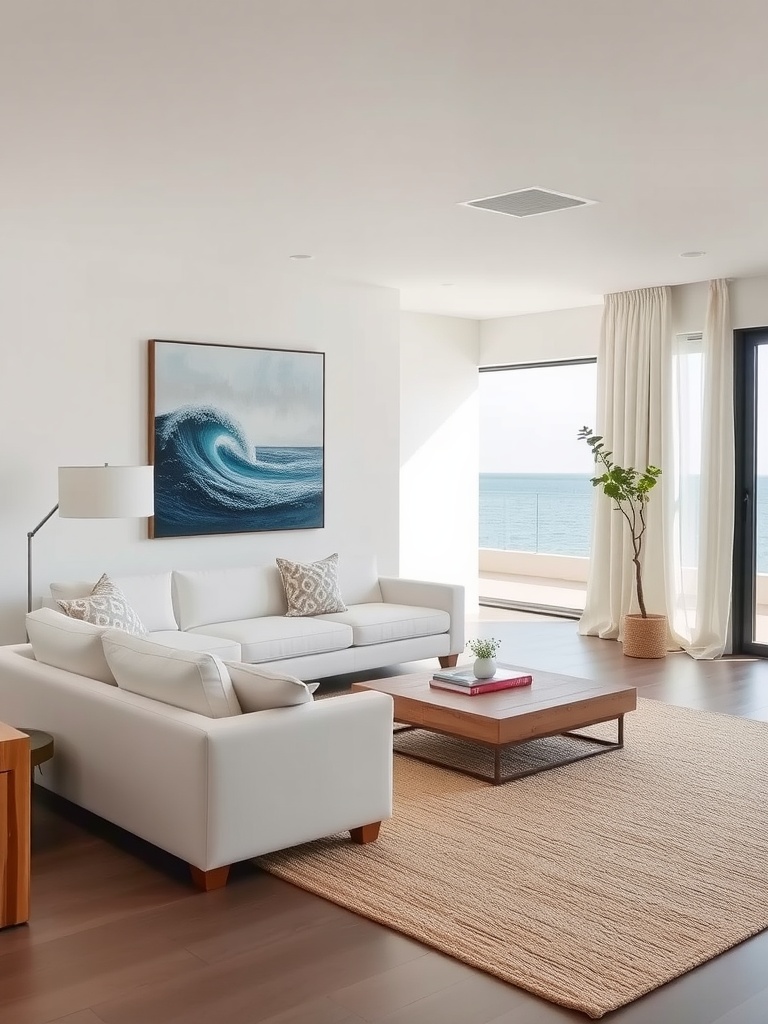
<point>439,450</point>
<point>73,391</point>
<point>541,337</point>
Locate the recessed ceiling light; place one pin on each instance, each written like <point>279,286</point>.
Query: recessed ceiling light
<point>693,254</point>
<point>301,256</point>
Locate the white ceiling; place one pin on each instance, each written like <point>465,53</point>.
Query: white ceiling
<point>248,130</point>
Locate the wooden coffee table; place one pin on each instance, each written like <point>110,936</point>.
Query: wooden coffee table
<point>553,705</point>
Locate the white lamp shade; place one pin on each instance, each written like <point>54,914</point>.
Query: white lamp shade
<point>106,492</point>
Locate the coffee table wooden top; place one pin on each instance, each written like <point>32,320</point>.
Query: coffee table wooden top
<point>551,704</point>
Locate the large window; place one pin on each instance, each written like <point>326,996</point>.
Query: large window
<point>535,490</point>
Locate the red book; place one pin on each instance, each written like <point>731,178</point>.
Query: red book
<point>480,687</point>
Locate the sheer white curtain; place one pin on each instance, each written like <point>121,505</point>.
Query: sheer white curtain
<point>630,368</point>
<point>699,470</point>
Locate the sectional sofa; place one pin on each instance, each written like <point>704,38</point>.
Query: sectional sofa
<point>220,779</point>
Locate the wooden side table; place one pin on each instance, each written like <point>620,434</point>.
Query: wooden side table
<point>15,766</point>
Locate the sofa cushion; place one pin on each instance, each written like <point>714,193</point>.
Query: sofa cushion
<point>149,595</point>
<point>225,595</point>
<point>312,588</point>
<point>259,689</point>
<point>274,637</point>
<point>185,679</point>
<point>106,606</point>
<point>68,643</point>
<point>200,642</point>
<point>380,623</point>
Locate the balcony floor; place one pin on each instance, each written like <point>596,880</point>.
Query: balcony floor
<point>529,591</point>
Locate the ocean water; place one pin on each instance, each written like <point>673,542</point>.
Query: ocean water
<point>208,479</point>
<point>551,513</point>
<point>543,512</point>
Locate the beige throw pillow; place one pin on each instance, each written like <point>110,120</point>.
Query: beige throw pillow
<point>312,588</point>
<point>68,644</point>
<point>259,689</point>
<point>185,679</point>
<point>105,606</point>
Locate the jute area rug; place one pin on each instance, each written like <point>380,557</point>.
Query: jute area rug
<point>588,885</point>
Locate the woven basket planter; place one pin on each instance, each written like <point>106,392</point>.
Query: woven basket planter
<point>645,638</point>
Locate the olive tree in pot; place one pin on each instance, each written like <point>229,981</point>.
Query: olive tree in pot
<point>644,634</point>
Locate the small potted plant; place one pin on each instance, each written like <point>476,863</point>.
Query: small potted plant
<point>644,634</point>
<point>484,650</point>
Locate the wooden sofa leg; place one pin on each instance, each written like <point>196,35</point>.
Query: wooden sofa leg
<point>208,880</point>
<point>366,833</point>
<point>448,660</point>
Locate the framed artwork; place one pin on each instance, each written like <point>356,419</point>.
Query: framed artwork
<point>236,437</point>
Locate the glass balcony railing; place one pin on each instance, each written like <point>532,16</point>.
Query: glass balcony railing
<point>547,521</point>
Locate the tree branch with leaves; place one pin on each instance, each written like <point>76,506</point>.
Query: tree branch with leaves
<point>629,490</point>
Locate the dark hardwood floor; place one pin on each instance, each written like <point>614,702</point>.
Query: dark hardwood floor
<point>118,936</point>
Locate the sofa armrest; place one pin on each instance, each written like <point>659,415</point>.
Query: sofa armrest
<point>287,776</point>
<point>449,597</point>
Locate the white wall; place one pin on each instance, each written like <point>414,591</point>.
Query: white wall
<point>73,390</point>
<point>439,450</point>
<point>534,337</point>
<point>575,333</point>
<point>749,304</point>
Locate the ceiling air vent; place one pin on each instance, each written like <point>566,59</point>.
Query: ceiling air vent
<point>528,202</point>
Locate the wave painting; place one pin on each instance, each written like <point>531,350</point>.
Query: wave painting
<point>211,478</point>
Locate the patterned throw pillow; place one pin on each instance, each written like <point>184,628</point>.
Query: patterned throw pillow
<point>313,588</point>
<point>106,606</point>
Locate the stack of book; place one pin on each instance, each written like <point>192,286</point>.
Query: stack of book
<point>463,680</point>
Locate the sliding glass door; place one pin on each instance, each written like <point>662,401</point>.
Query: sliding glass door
<point>751,539</point>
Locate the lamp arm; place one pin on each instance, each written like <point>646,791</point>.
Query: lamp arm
<point>30,535</point>
<point>42,522</point>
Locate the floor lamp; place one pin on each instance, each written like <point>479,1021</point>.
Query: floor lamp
<point>98,492</point>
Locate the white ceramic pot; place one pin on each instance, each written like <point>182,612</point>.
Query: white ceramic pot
<point>484,668</point>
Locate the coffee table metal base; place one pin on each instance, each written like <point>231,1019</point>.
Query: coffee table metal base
<point>601,746</point>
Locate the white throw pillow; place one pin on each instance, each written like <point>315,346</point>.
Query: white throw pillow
<point>106,606</point>
<point>68,643</point>
<point>259,689</point>
<point>186,679</point>
<point>312,588</point>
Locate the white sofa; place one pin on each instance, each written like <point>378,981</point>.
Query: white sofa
<point>240,613</point>
<point>212,791</point>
